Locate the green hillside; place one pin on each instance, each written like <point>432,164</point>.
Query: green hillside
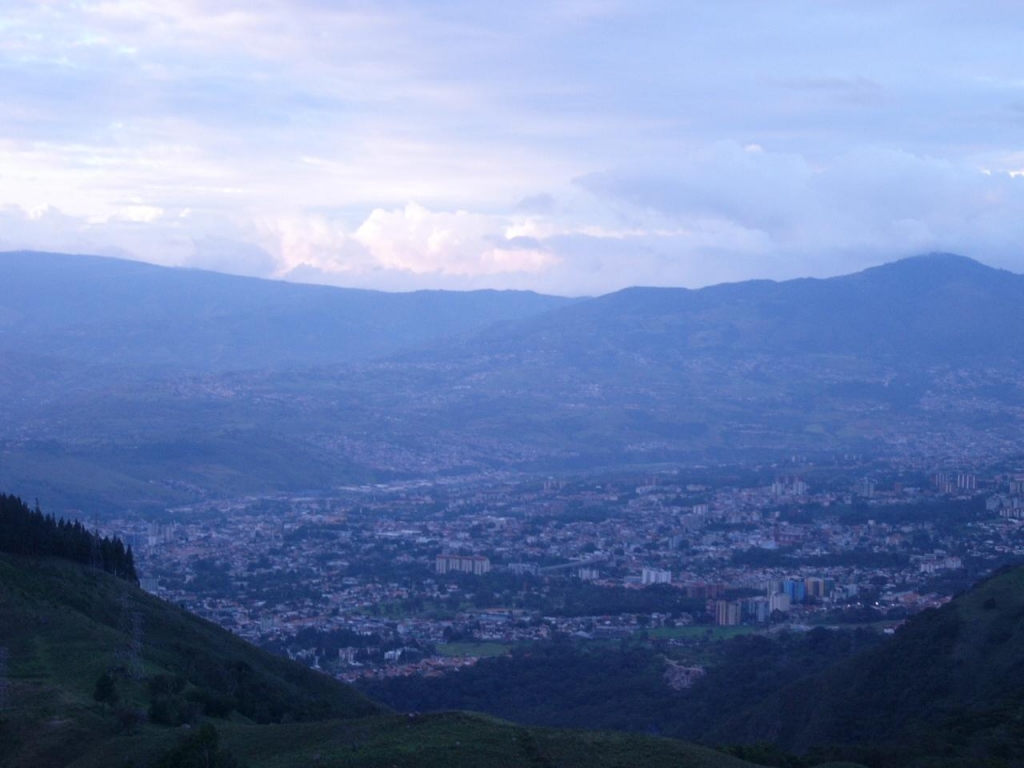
<point>77,692</point>
<point>949,684</point>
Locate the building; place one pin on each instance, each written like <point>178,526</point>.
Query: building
<point>966,482</point>
<point>757,609</point>
<point>655,576</point>
<point>814,587</point>
<point>865,488</point>
<point>475,564</point>
<point>779,602</point>
<point>796,589</point>
<point>728,613</point>
<point>789,486</point>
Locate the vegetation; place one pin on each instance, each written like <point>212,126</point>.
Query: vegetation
<point>25,531</point>
<point>623,687</point>
<point>944,691</point>
<point>75,701</point>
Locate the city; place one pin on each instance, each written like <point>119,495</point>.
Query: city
<point>421,578</point>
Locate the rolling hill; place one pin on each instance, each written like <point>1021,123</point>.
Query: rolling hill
<point>948,684</point>
<point>64,629</point>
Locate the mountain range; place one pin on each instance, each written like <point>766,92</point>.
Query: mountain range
<point>109,312</point>
<point>128,379</point>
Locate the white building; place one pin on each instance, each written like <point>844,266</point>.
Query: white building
<point>655,576</point>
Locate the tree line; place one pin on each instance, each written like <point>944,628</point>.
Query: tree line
<point>27,531</point>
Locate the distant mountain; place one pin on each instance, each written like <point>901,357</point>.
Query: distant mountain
<point>127,384</point>
<point>949,683</point>
<point>99,674</point>
<point>110,312</point>
<point>933,307</point>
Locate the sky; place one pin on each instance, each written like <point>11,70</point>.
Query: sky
<point>569,146</point>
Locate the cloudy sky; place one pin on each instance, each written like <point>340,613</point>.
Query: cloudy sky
<point>568,146</point>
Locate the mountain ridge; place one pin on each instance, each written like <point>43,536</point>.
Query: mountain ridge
<point>232,397</point>
<point>898,308</point>
<point>103,310</point>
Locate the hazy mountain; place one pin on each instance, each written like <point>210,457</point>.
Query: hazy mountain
<point>128,383</point>
<point>108,311</point>
<point>930,307</point>
<point>102,311</point>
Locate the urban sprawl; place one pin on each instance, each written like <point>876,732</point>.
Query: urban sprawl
<point>424,577</point>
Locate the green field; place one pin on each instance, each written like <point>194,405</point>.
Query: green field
<point>478,650</point>
<point>699,631</point>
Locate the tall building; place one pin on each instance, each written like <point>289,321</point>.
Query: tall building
<point>779,602</point>
<point>796,590</point>
<point>655,576</point>
<point>727,613</point>
<point>789,486</point>
<point>757,609</point>
<point>814,587</point>
<point>475,564</point>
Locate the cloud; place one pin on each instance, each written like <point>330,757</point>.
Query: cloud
<point>233,257</point>
<point>411,240</point>
<point>571,146</point>
<point>541,203</point>
<point>721,212</point>
<point>781,215</point>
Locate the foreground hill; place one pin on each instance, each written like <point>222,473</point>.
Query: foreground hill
<point>950,683</point>
<point>947,691</point>
<point>64,626</point>
<point>77,694</point>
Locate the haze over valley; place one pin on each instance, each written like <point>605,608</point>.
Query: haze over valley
<point>128,385</point>
<point>598,383</point>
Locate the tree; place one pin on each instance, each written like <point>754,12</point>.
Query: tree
<point>200,749</point>
<point>105,691</point>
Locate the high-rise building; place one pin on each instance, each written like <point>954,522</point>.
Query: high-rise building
<point>796,590</point>
<point>727,613</point>
<point>779,602</point>
<point>655,576</point>
<point>474,564</point>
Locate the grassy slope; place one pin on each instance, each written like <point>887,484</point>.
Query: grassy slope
<point>446,740</point>
<point>60,623</point>
<point>950,681</point>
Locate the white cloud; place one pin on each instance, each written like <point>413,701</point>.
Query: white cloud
<point>717,213</point>
<point>411,240</point>
<point>420,241</point>
<point>144,214</point>
<point>291,137</point>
